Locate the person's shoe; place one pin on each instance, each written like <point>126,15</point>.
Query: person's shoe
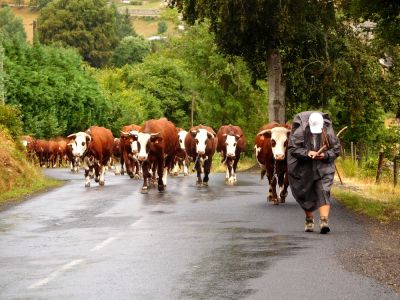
<point>309,225</point>
<point>324,226</point>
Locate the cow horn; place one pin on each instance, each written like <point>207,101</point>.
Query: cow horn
<point>238,136</point>
<point>264,131</point>
<point>124,133</point>
<point>154,134</point>
<point>72,136</point>
<point>88,136</point>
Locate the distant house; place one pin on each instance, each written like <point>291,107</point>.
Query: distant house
<point>126,1</point>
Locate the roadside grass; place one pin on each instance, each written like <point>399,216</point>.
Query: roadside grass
<point>245,163</point>
<point>18,177</point>
<point>361,194</point>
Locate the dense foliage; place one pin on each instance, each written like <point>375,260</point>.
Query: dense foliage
<point>131,49</point>
<point>50,85</point>
<point>87,25</point>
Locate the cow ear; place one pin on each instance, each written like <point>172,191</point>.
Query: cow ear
<point>238,136</point>
<point>88,138</point>
<point>210,135</point>
<point>155,137</point>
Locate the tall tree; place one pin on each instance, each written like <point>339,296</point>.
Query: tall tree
<point>385,13</point>
<point>87,25</point>
<point>264,33</point>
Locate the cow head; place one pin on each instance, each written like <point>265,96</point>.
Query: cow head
<point>145,141</point>
<point>201,136</point>
<point>132,137</point>
<point>182,135</point>
<point>79,144</point>
<point>279,140</point>
<point>230,143</point>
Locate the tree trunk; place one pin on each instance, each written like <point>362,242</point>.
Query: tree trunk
<point>277,88</point>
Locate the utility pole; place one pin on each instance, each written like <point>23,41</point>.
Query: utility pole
<point>192,113</point>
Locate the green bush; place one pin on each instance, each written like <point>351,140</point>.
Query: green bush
<point>162,27</point>
<point>10,118</point>
<point>135,2</point>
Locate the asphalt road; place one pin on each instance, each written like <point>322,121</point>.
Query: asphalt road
<point>219,242</point>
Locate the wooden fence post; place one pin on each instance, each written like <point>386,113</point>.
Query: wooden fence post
<point>352,150</point>
<point>380,164</point>
<point>395,171</point>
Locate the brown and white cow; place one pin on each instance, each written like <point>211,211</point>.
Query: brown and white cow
<point>41,149</point>
<point>129,150</point>
<point>95,146</point>
<point>27,143</point>
<point>200,145</point>
<point>271,153</point>
<point>181,158</point>
<point>157,142</point>
<point>231,143</point>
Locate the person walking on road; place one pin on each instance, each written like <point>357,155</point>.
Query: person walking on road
<point>312,150</point>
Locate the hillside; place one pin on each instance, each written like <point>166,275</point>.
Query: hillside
<point>18,177</point>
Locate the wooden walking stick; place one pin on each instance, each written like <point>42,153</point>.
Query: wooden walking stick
<point>326,145</point>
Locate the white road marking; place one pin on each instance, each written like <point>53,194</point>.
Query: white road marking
<point>56,273</point>
<point>103,243</point>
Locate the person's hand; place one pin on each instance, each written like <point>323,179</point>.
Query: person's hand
<point>316,155</point>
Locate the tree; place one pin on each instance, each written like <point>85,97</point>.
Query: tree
<point>53,90</point>
<point>39,3</point>
<point>11,27</point>
<point>130,50</point>
<point>87,25</point>
<point>162,27</point>
<point>386,14</point>
<point>264,32</point>
<point>124,25</point>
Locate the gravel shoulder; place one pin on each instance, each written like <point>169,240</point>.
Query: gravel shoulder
<point>378,255</point>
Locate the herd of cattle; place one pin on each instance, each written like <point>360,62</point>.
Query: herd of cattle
<point>158,148</point>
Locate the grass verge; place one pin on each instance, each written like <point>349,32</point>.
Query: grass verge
<point>23,191</point>
<point>360,194</point>
<point>18,177</point>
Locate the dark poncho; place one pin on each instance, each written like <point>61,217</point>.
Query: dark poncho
<point>311,180</point>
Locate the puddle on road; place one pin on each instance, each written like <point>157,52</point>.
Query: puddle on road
<point>246,254</point>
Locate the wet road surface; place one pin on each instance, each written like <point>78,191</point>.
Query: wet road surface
<point>219,242</point>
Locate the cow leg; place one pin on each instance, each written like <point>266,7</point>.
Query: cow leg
<point>102,173</point>
<point>175,170</point>
<point>87,167</point>
<point>207,168</point>
<point>270,176</point>
<point>197,166</point>
<point>146,177</point>
<point>96,168</point>
<point>230,165</point>
<point>160,173</point>
<point>185,167</point>
<point>121,160</point>
<point>284,190</point>
<point>154,174</point>
<point>235,163</point>
<point>274,194</point>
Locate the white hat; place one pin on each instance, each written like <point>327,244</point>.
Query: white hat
<point>316,122</point>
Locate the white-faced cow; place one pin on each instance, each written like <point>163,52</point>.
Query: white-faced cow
<point>130,150</point>
<point>200,145</point>
<point>157,142</point>
<point>231,143</point>
<point>271,153</point>
<point>181,158</point>
<point>95,146</point>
